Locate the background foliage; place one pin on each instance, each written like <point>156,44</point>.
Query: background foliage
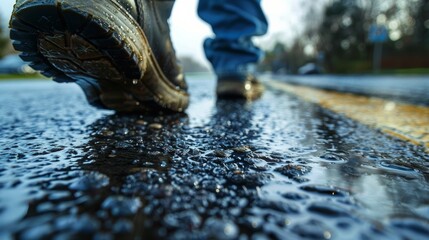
<point>336,37</point>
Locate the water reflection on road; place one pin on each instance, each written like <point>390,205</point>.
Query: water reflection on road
<point>411,88</point>
<point>274,168</point>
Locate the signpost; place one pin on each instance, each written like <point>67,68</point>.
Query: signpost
<point>378,34</point>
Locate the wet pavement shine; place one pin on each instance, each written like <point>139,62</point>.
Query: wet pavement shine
<point>398,119</point>
<point>403,88</point>
<point>278,168</point>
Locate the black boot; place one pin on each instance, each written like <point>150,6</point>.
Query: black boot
<point>237,86</point>
<point>118,51</point>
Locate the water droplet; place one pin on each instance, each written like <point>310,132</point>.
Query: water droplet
<point>331,157</point>
<point>328,209</point>
<point>122,206</point>
<point>89,181</point>
<point>325,190</point>
<point>141,122</point>
<point>221,229</point>
<point>400,170</point>
<point>123,226</point>
<point>155,126</point>
<point>294,172</point>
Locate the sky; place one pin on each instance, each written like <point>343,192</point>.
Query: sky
<point>188,31</point>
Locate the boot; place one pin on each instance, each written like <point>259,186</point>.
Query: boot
<point>118,51</point>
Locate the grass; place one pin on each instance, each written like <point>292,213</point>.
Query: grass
<point>4,77</point>
<point>408,71</point>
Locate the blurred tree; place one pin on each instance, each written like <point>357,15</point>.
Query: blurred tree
<point>287,58</point>
<point>191,65</point>
<point>421,27</point>
<point>407,22</point>
<point>4,41</point>
<point>342,35</point>
<point>276,59</point>
<point>335,34</point>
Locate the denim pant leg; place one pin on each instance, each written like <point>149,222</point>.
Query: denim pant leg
<point>234,23</point>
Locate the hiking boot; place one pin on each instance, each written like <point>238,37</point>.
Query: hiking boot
<point>118,51</point>
<point>241,87</point>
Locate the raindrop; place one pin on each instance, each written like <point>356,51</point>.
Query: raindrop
<point>330,157</point>
<point>89,181</point>
<point>122,206</point>
<point>325,190</point>
<point>221,229</point>
<point>399,169</point>
<point>155,126</point>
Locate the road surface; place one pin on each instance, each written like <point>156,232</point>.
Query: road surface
<point>412,89</point>
<point>278,168</point>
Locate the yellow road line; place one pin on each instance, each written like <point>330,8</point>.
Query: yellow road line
<point>404,121</point>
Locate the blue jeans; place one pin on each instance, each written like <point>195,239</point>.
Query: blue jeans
<point>234,23</point>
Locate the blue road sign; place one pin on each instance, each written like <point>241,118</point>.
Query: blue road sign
<point>378,34</point>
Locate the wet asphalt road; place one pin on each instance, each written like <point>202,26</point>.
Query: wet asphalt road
<point>411,89</point>
<point>279,168</point>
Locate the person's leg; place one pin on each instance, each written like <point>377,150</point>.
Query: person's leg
<point>234,23</point>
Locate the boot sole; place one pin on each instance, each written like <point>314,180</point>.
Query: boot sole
<point>99,46</point>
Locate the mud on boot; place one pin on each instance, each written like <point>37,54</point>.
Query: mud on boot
<point>105,48</point>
